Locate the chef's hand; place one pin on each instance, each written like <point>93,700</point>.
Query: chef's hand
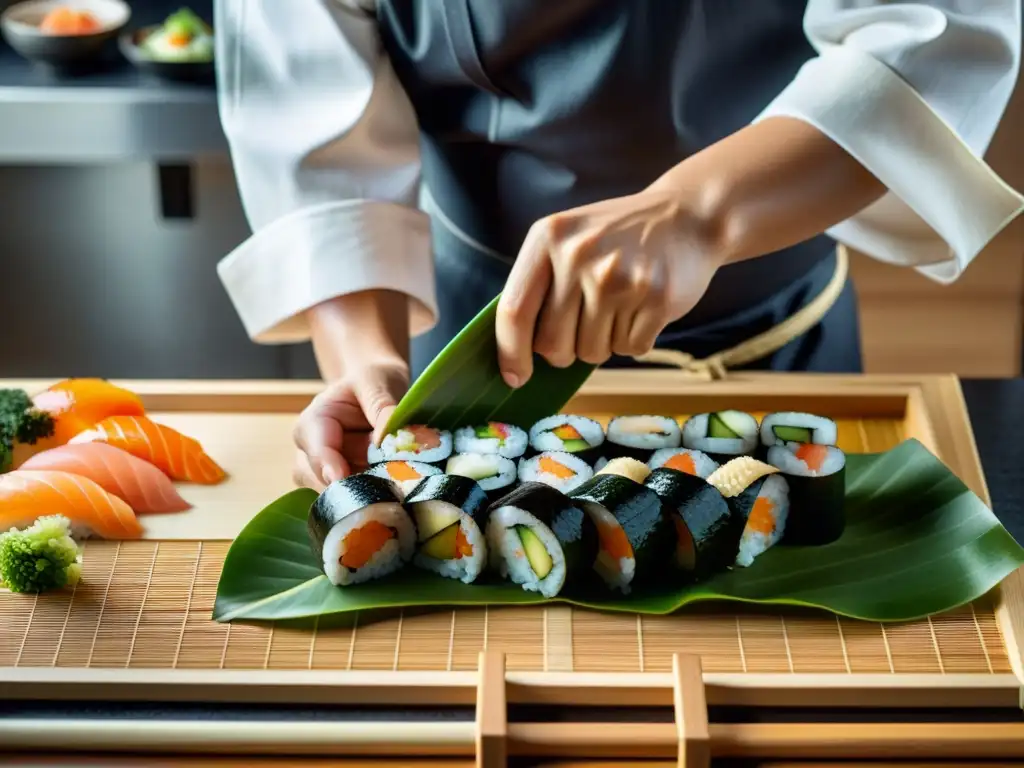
<point>334,432</point>
<point>602,279</point>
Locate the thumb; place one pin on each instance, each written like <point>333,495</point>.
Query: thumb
<point>378,392</point>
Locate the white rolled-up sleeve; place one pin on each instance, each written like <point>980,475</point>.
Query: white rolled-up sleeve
<point>325,147</point>
<point>915,92</point>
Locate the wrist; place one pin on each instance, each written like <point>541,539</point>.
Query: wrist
<point>360,329</point>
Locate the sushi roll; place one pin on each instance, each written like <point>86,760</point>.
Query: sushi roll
<point>560,470</point>
<point>707,529</point>
<point>688,460</point>
<point>539,539</point>
<point>816,475</point>
<point>577,435</point>
<point>496,474</point>
<point>448,510</point>
<point>790,427</point>
<point>634,539</point>
<point>722,435</point>
<point>406,475</point>
<point>759,495</point>
<point>359,530</point>
<point>505,440</point>
<point>413,443</point>
<point>638,437</point>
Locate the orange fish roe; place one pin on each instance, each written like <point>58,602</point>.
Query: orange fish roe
<point>551,467</point>
<point>462,547</point>
<point>683,462</point>
<point>362,543</point>
<point>762,516</point>
<point>401,471</point>
<point>812,455</point>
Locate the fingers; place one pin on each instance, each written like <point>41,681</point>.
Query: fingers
<point>519,306</point>
<point>319,437</point>
<point>378,393</point>
<point>559,319</point>
<point>303,475</point>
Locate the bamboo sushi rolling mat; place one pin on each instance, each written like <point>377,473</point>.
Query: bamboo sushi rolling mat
<point>147,604</point>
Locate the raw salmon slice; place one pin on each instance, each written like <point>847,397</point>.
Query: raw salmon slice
<point>144,487</point>
<point>177,456</point>
<point>26,496</point>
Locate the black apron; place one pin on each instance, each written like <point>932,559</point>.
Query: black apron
<point>531,107</point>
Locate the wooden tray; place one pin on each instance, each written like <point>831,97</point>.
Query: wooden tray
<point>138,626</point>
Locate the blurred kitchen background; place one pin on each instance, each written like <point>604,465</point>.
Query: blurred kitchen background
<point>117,200</point>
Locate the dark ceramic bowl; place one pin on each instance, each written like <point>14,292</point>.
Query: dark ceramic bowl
<point>180,71</point>
<point>20,25</point>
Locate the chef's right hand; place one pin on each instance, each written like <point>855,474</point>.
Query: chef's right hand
<point>334,432</point>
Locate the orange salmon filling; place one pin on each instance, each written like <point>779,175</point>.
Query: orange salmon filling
<point>684,544</point>
<point>812,455</point>
<point>566,432</point>
<point>462,547</point>
<point>762,517</point>
<point>614,542</point>
<point>401,471</point>
<point>551,467</point>
<point>362,543</point>
<point>427,437</point>
<point>683,462</point>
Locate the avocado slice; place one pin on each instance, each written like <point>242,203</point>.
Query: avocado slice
<point>718,426</point>
<point>793,434</point>
<point>433,517</point>
<point>536,552</point>
<point>575,446</point>
<point>442,546</point>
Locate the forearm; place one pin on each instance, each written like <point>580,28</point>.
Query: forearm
<point>352,330</point>
<point>767,187</point>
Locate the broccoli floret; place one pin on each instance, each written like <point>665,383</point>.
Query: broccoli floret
<point>41,557</point>
<point>7,432</point>
<point>14,402</point>
<point>20,421</point>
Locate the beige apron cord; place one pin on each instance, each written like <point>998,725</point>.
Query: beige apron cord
<point>716,366</point>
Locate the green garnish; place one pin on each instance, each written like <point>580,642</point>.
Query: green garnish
<point>20,422</point>
<point>41,557</point>
<point>185,23</point>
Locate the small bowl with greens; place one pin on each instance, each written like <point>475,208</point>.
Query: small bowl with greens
<point>179,49</point>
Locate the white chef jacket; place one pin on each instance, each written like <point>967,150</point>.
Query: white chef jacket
<point>325,144</point>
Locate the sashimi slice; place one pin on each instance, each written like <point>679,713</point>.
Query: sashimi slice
<point>176,455</point>
<point>144,487</point>
<point>26,496</point>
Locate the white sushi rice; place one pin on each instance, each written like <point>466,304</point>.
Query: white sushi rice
<point>784,457</point>
<point>529,471</point>
<point>389,451</point>
<point>644,432</point>
<point>404,486</point>
<point>616,574</point>
<point>512,447</point>
<point>389,558</point>
<point>465,569</point>
<point>509,558</point>
<point>695,435</point>
<point>542,439</point>
<point>702,463</point>
<point>824,431</point>
<point>490,470</point>
<point>755,543</point>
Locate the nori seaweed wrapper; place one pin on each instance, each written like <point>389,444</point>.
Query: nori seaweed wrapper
<point>462,492</point>
<point>640,513</point>
<point>714,527</point>
<point>343,498</point>
<point>571,526</point>
<point>817,509</point>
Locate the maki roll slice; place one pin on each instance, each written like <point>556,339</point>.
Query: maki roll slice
<point>496,474</point>
<point>638,437</point>
<point>577,435</point>
<point>413,443</point>
<point>816,475</point>
<point>722,435</point>
<point>688,460</point>
<point>406,475</point>
<point>634,539</point>
<point>558,469</point>
<point>707,529</point>
<point>505,440</point>
<point>448,510</point>
<point>539,539</point>
<point>359,530</point>
<point>791,427</point>
<point>759,495</point>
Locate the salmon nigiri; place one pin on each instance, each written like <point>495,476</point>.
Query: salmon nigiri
<point>26,496</point>
<point>177,456</point>
<point>144,487</point>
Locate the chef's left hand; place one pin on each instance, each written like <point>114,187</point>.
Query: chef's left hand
<point>602,279</point>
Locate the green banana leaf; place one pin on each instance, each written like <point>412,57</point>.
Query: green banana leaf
<point>917,542</point>
<point>463,384</point>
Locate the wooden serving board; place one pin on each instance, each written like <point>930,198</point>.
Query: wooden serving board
<point>138,625</point>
